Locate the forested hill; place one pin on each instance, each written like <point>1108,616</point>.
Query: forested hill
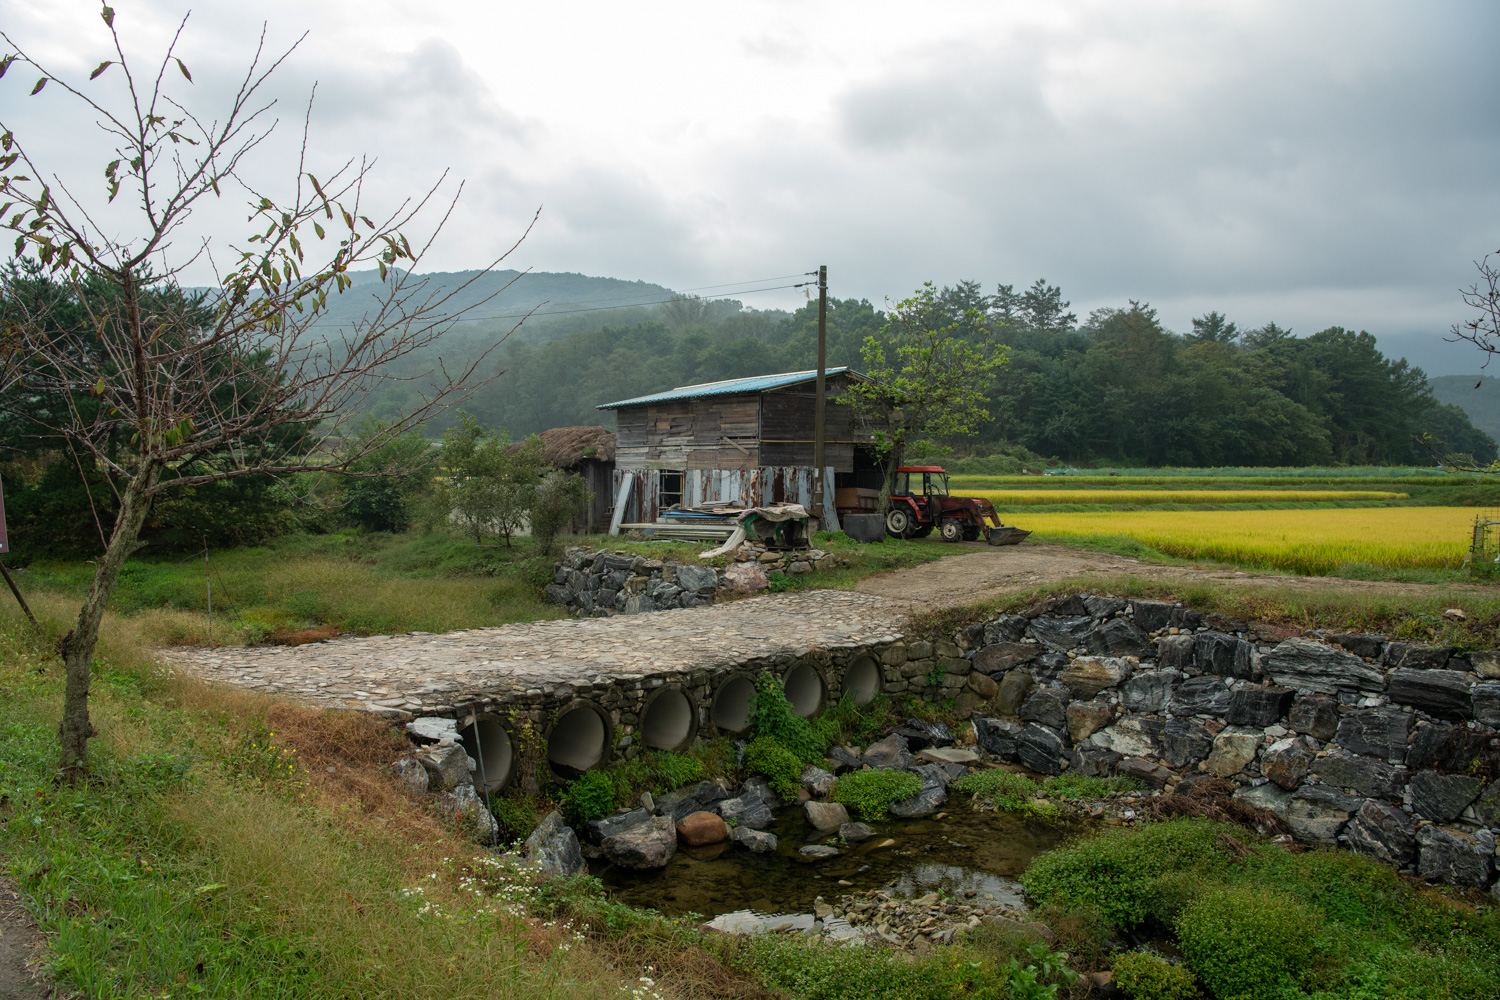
<point>1117,387</point>
<point>1476,395</point>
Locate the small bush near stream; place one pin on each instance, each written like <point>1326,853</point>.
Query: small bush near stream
<point>1144,976</point>
<point>869,793</point>
<point>1014,792</point>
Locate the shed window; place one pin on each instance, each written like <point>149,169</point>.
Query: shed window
<point>669,491</point>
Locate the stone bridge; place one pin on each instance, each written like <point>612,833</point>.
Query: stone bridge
<point>598,688</point>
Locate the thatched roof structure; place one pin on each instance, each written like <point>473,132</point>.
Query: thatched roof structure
<point>565,447</point>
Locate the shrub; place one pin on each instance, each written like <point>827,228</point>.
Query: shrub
<point>1004,789</point>
<point>771,715</point>
<point>517,817</point>
<point>1144,976</point>
<point>1069,785</point>
<point>870,792</point>
<point>780,766</point>
<point>591,795</point>
<point>1246,943</point>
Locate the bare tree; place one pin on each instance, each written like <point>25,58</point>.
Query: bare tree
<point>1483,328</point>
<point>168,389</point>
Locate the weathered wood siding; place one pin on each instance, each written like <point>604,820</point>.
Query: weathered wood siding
<point>747,487</point>
<point>787,419</point>
<point>714,433</point>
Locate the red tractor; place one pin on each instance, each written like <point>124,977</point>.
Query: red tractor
<point>920,502</point>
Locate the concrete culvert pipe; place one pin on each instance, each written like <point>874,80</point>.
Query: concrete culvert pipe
<point>488,743</point>
<point>862,680</point>
<point>804,689</point>
<point>731,709</point>
<point>578,740</point>
<point>667,722</point>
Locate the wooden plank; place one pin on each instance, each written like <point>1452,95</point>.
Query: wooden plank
<point>622,495</point>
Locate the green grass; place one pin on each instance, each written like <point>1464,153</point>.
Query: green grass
<point>1011,791</point>
<point>870,793</point>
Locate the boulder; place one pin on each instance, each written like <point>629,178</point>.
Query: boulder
<point>887,753</point>
<point>597,829</point>
<point>748,577</point>
<point>638,604</point>
<point>841,759</point>
<point>1233,749</point>
<point>1071,606</point>
<point>998,736</point>
<point>649,845</point>
<point>1152,615</point>
<point>1447,748</point>
<point>1093,761</point>
<point>1271,797</point>
<point>1222,655</point>
<point>855,833</point>
<point>927,801</point>
<point>1250,705</point>
<point>1487,806</point>
<point>1455,856</point>
<point>1379,732</point>
<point>1149,691</point>
<point>818,851</point>
<point>1119,637</point>
<point>1414,656</point>
<point>464,805</point>
<point>1132,736</point>
<point>1012,691</point>
<point>1085,718</point>
<point>1443,693</point>
<point>1367,646</point>
<point>860,527</point>
<point>1048,667</point>
<point>1003,656</point>
<point>983,687</point>
<point>553,848</point>
<point>1383,832</point>
<point>1103,607</point>
<point>1153,775</point>
<point>758,786</point>
<point>1185,743</point>
<point>1287,761</point>
<point>754,840</point>
<point>1088,675</point>
<point>825,817</point>
<point>1486,664</point>
<point>1006,628</point>
<point>1316,814</point>
<point>1487,703</point>
<point>690,799</point>
<point>411,776</point>
<point>1442,798</point>
<point>1311,666</point>
<point>1175,651</point>
<point>1365,776</point>
<point>816,780</point>
<point>1317,715</point>
<point>936,734</point>
<point>448,767</point>
<point>430,729</point>
<point>1061,633</point>
<point>1048,706</point>
<point>556,594</point>
<point>701,828</point>
<point>747,810</point>
<point>1040,749</point>
<point>1200,696</point>
<point>948,755</point>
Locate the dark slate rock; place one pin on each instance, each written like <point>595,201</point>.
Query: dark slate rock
<point>1447,748</point>
<point>1186,618</point>
<point>1442,798</point>
<point>1149,691</point>
<point>841,760</point>
<point>1048,667</point>
<point>1487,703</point>
<point>1119,637</point>
<point>925,802</point>
<point>1040,749</point>
<point>1385,833</point>
<point>1286,762</point>
<point>747,810</point>
<point>1002,656</point>
<point>1012,691</point>
<point>1006,628</point>
<point>1487,806</point>
<point>584,600</point>
<point>997,736</point>
<point>607,598</point>
<point>1200,696</point>
<point>1048,706</point>
<point>1379,732</point>
<point>649,845</point>
<point>1093,761</point>
<point>1414,656</point>
<point>1153,775</point>
<point>556,594</point>
<point>1316,814</point>
<point>1062,633</point>
<point>1455,856</point>
<point>1443,693</point>
<point>697,579</point>
<point>1317,715</point>
<point>1312,666</point>
<point>757,785</point>
<point>888,753</point>
<point>1152,615</point>
<point>1217,653</point>
<point>1071,606</point>
<point>598,829</point>
<point>1258,706</point>
<point>937,734</point>
<point>1185,743</point>
<point>1176,651</point>
<point>1360,644</point>
<point>553,848</point>
<point>1338,768</point>
<point>1103,607</point>
<point>1271,797</point>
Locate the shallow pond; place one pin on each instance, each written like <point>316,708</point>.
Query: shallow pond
<point>985,852</point>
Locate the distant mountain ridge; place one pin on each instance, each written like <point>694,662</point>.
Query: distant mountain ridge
<point>1482,404</point>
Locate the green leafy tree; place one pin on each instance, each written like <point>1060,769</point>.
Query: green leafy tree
<point>926,382</point>
<point>489,484</point>
<point>392,479</point>
<point>559,498</point>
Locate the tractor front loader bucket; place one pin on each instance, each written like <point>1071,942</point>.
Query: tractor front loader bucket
<point>1007,536</point>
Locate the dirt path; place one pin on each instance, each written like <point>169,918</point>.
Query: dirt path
<point>19,943</point>
<point>977,572</point>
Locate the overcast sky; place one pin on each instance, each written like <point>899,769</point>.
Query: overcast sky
<point>1308,163</point>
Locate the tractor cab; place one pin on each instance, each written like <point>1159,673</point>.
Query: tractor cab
<point>920,502</point>
<point>921,481</point>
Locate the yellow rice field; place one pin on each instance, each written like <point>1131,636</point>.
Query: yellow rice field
<point>1028,498</point>
<point>1302,541</point>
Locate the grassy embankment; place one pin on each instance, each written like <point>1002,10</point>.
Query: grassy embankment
<point>306,587</point>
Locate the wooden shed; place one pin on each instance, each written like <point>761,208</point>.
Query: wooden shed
<point>747,441</point>
<point>589,452</point>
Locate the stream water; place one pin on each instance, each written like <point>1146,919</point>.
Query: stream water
<point>985,852</point>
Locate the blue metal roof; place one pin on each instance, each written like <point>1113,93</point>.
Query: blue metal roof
<point>729,387</point>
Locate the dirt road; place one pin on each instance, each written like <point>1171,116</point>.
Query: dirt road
<point>977,572</point>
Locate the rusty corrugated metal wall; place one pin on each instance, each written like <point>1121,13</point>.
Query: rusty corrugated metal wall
<point>747,487</point>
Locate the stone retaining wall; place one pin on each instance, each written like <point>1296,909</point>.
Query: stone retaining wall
<point>1389,748</point>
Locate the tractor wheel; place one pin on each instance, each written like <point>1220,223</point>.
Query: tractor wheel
<point>971,532</point>
<point>953,531</point>
<point>921,531</point>
<point>898,521</point>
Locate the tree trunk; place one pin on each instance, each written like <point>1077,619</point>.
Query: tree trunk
<point>78,646</point>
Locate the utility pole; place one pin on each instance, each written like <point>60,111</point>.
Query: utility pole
<point>820,406</point>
